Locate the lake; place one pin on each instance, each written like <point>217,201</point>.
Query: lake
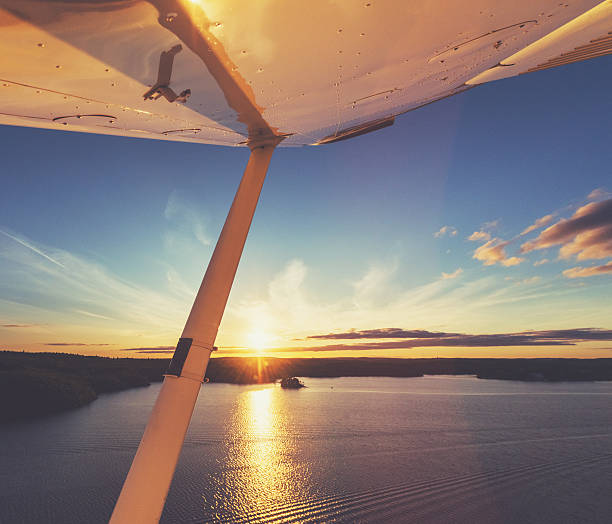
<point>431,450</point>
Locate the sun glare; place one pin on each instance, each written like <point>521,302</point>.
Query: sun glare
<point>258,341</point>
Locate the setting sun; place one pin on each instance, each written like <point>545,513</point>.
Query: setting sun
<point>258,341</point>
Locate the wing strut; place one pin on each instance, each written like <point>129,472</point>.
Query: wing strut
<point>145,489</point>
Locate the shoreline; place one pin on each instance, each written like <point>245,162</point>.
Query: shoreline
<point>38,384</point>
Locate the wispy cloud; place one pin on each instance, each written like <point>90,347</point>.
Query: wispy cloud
<point>480,236</point>
<point>185,222</point>
<point>446,231</point>
<point>541,262</point>
<point>58,284</point>
<point>454,274</point>
<point>582,272</point>
<point>178,286</point>
<point>539,223</point>
<point>599,194</point>
<point>72,344</point>
<point>529,281</point>
<point>92,315</point>
<point>17,325</point>
<point>484,234</point>
<point>152,350</point>
<point>373,286</point>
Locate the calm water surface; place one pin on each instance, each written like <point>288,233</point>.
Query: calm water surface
<point>431,450</point>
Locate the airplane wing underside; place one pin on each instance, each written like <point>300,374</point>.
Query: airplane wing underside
<point>226,72</point>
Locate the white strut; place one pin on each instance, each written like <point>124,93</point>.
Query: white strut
<point>146,487</point>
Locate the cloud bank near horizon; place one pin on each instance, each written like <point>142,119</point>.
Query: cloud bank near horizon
<point>410,339</point>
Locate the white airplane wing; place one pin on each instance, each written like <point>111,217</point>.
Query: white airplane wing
<point>226,71</point>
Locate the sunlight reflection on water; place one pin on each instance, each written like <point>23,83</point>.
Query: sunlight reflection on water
<point>260,471</point>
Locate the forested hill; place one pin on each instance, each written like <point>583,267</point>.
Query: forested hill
<point>33,384</point>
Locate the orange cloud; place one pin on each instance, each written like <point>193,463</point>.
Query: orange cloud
<point>454,274</point>
<point>494,252</point>
<point>599,194</point>
<point>587,234</point>
<point>540,222</point>
<point>445,230</point>
<point>528,281</point>
<point>583,272</point>
<point>594,244</point>
<point>478,236</point>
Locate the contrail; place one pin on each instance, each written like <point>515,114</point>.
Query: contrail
<point>38,251</point>
<point>89,314</point>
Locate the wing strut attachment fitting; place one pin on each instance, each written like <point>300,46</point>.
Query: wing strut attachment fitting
<point>162,86</point>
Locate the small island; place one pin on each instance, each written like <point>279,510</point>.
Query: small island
<point>291,383</point>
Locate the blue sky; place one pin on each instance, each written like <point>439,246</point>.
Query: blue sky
<point>105,239</point>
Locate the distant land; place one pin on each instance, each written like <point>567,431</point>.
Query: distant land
<point>38,384</point>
